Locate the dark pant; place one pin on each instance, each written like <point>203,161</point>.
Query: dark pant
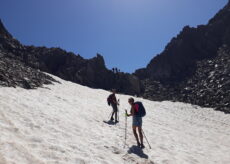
<point>114,106</point>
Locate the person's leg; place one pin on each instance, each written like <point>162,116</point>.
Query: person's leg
<point>135,134</point>
<point>140,134</point>
<point>113,106</point>
<point>115,111</point>
<point>115,116</point>
<point>112,116</point>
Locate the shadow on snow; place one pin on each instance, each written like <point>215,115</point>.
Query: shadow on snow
<point>110,122</point>
<point>138,151</point>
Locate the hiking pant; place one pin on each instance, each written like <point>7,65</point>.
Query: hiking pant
<point>114,106</point>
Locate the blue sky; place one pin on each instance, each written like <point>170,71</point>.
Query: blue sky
<point>128,33</point>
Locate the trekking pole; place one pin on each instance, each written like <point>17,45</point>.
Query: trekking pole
<point>118,109</point>
<point>125,127</point>
<point>118,114</point>
<point>146,139</point>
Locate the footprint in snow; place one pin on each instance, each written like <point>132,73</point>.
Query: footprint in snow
<point>114,149</point>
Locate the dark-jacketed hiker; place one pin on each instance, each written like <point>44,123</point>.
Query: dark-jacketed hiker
<point>112,100</point>
<point>137,121</point>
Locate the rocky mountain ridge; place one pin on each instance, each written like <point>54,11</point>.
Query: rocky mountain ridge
<point>68,66</point>
<point>194,67</point>
<point>189,46</point>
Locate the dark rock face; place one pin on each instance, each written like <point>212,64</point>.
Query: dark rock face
<point>15,73</point>
<point>4,33</point>
<point>194,67</point>
<point>209,86</point>
<point>88,72</point>
<point>192,44</point>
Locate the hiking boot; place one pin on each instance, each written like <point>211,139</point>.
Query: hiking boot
<point>142,146</point>
<point>138,144</point>
<point>111,119</point>
<point>116,121</point>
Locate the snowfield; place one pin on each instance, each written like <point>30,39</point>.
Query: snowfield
<point>63,124</point>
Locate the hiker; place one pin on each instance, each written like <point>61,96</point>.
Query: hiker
<point>112,100</point>
<point>137,120</point>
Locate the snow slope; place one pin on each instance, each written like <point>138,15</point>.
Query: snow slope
<point>63,123</point>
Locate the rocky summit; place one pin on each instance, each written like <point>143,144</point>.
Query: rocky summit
<point>194,67</point>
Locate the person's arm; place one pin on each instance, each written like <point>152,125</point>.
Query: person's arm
<point>131,112</point>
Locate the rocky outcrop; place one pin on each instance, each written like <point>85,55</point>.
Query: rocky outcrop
<point>13,70</point>
<point>88,72</point>
<point>194,67</point>
<point>179,58</point>
<point>208,87</point>
<point>4,33</point>
<point>66,65</point>
<point>15,73</point>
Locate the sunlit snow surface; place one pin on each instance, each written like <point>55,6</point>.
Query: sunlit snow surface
<point>63,123</point>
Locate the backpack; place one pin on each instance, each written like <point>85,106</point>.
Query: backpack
<point>141,110</point>
<point>109,99</point>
